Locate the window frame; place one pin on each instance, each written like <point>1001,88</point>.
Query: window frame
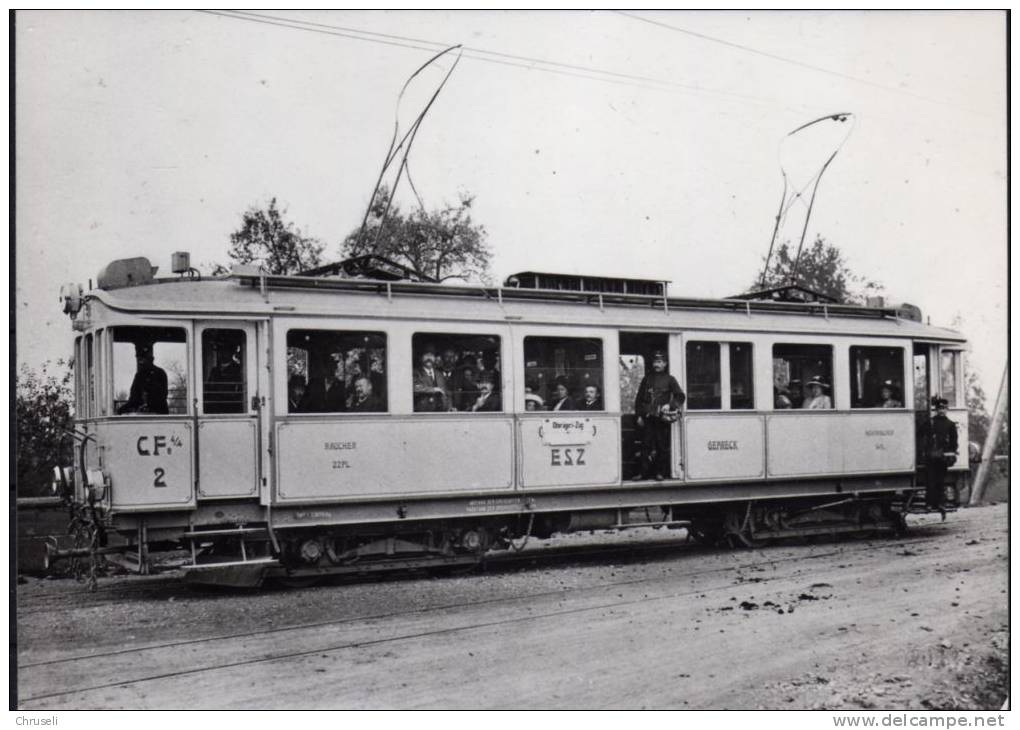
<point>90,374</point>
<point>188,361</point>
<point>505,407</point>
<point>302,326</point>
<point>248,370</point>
<point>958,376</point>
<point>725,374</point>
<point>835,351</point>
<point>904,403</point>
<point>580,333</point>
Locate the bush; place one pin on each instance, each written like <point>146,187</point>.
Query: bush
<point>44,409</point>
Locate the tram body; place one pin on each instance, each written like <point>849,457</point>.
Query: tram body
<point>235,472</point>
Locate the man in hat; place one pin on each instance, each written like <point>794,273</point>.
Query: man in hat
<point>657,405</point>
<point>939,446</point>
<point>816,397</point>
<point>149,387</point>
<point>430,392</point>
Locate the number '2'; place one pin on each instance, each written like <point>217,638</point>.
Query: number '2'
<point>158,481</point>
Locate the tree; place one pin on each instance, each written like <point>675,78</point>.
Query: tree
<point>821,268</point>
<point>979,419</point>
<point>443,244</point>
<point>43,410</point>
<point>277,246</point>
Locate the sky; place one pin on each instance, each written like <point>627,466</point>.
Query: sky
<point>644,144</point>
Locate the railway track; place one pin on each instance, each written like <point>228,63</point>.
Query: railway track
<point>169,583</point>
<point>185,657</point>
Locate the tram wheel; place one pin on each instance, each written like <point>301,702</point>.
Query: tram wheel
<point>737,534</point>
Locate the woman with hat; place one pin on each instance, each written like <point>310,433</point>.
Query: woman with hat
<point>888,396</point>
<point>816,399</point>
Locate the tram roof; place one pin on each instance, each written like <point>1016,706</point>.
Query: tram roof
<point>257,295</point>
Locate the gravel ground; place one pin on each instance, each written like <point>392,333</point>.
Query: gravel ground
<point>912,623</point>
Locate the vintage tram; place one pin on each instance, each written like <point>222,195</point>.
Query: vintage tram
<point>354,419</point>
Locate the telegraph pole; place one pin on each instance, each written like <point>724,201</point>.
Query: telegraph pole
<point>988,452</point>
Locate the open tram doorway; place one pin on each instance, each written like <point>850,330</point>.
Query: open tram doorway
<point>636,350</point>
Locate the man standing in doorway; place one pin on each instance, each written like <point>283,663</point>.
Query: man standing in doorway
<point>657,406</point>
<point>940,444</point>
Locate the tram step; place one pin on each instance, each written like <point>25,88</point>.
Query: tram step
<point>232,532</point>
<point>232,564</point>
<point>669,523</point>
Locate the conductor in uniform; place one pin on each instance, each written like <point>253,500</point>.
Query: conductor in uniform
<point>657,405</point>
<point>939,447</point>
<point>149,388</point>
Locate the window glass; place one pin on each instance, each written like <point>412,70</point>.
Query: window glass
<point>741,375</point>
<point>78,410</point>
<point>876,377</point>
<point>950,369</point>
<point>331,371</point>
<point>455,372</point>
<point>802,376</point>
<point>704,379</point>
<point>920,381</point>
<point>90,375</point>
<point>100,361</point>
<point>563,373</point>
<point>150,370</point>
<point>632,372</point>
<point>223,371</point>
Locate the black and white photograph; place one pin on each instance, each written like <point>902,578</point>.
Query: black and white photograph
<point>510,360</point>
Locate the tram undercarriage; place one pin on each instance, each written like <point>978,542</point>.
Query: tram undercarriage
<point>250,553</point>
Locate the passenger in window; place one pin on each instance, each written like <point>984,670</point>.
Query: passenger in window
<point>326,392</point>
<point>533,402</point>
<point>816,399</point>
<point>448,365</point>
<point>490,364</point>
<point>365,400</point>
<point>488,399</point>
<point>657,406</point>
<point>296,391</point>
<point>592,399</point>
<point>783,401</point>
<point>465,386</point>
<point>225,382</point>
<point>430,390</point>
<point>796,393</point>
<point>149,388</point>
<point>561,400</point>
<point>889,392</point>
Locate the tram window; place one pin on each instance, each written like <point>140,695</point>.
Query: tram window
<point>704,379</point>
<point>559,372</point>
<point>950,367</point>
<point>876,377</point>
<point>793,367</point>
<point>330,371</point>
<point>150,370</point>
<point>741,375</point>
<point>454,372</point>
<point>920,380</point>
<point>90,376</point>
<point>223,371</point>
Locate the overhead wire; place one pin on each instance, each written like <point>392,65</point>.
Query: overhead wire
<point>516,61</point>
<point>785,59</point>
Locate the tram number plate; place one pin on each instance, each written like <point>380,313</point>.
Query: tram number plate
<point>158,445</point>
<point>567,456</point>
